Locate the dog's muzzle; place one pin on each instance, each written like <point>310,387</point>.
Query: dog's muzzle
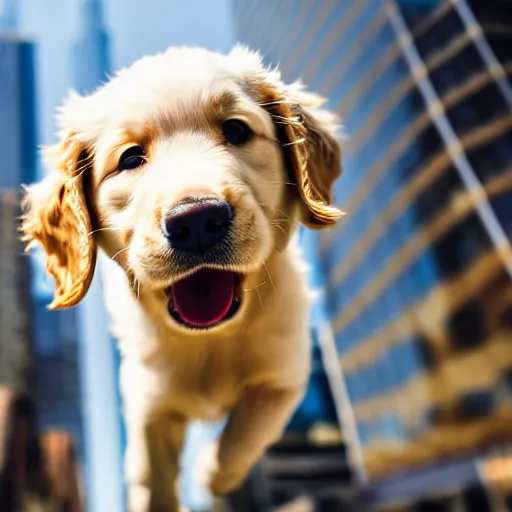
<point>197,231</point>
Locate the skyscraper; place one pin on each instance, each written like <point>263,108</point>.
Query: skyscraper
<point>417,276</point>
<point>17,135</point>
<point>9,15</point>
<point>91,52</point>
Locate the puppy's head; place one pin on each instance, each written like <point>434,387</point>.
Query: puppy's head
<point>189,169</point>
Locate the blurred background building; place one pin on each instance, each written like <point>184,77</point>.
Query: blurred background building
<point>417,277</point>
<point>410,399</point>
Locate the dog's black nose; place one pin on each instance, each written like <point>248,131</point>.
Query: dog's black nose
<point>196,226</point>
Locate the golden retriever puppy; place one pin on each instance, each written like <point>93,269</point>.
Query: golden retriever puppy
<point>191,170</point>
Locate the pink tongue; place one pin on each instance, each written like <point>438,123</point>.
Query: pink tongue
<point>204,298</point>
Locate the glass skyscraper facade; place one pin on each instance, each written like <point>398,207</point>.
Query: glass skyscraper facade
<point>417,275</point>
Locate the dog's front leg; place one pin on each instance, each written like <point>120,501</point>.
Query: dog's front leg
<point>164,441</point>
<point>152,460</point>
<point>136,464</point>
<point>155,437</point>
<point>257,421</point>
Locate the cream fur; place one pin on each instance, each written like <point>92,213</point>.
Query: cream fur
<point>253,367</point>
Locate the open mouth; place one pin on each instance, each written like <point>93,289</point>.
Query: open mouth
<point>205,298</point>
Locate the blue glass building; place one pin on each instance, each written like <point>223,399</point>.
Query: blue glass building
<point>16,139</point>
<point>417,276</point>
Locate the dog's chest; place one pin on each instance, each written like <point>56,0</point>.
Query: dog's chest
<point>205,394</point>
<point>202,387</point>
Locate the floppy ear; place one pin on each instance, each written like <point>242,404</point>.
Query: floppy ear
<point>312,153</point>
<point>56,216</point>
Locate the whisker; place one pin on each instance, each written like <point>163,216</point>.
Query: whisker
<point>284,183</point>
<point>105,229</point>
<point>255,287</point>
<point>259,296</point>
<point>276,102</point>
<point>269,276</point>
<point>282,213</point>
<point>279,227</point>
<point>118,253</point>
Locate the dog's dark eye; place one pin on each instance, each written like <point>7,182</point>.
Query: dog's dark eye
<point>236,132</point>
<point>131,159</point>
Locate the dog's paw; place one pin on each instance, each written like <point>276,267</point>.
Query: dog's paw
<point>138,498</point>
<point>223,481</point>
<point>217,479</point>
<point>207,464</point>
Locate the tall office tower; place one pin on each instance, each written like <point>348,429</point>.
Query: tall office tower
<point>417,275</point>
<point>16,139</point>
<point>9,15</point>
<point>17,142</point>
<point>91,60</point>
<point>55,372</point>
<point>43,373</point>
